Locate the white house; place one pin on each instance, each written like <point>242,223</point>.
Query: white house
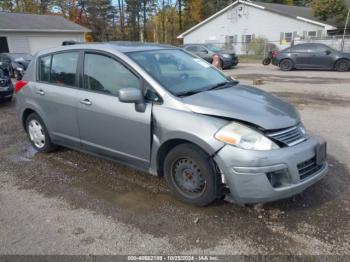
<point>239,23</point>
<point>29,33</point>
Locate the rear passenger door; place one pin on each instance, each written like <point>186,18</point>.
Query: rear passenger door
<point>107,126</point>
<point>55,93</point>
<point>302,56</point>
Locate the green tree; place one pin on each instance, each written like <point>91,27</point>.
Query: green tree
<point>7,5</point>
<point>329,9</point>
<point>98,15</point>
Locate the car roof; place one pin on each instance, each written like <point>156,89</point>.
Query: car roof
<point>121,46</point>
<point>126,47</point>
<point>310,44</point>
<point>193,44</point>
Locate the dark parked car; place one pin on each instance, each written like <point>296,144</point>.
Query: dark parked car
<point>207,51</point>
<point>15,63</point>
<point>6,87</point>
<point>311,56</point>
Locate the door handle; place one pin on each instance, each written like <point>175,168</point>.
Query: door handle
<point>86,102</point>
<point>40,92</point>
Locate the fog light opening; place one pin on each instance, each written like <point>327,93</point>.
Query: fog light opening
<point>278,178</point>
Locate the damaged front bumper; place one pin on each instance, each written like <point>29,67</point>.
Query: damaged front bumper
<point>264,176</point>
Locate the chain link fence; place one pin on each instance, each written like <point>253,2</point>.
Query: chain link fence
<point>259,48</point>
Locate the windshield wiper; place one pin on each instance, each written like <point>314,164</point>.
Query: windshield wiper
<point>189,93</point>
<point>222,85</point>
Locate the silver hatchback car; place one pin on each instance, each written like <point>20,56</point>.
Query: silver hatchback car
<point>167,112</point>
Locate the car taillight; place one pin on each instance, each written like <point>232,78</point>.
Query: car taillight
<point>20,84</point>
<point>274,53</point>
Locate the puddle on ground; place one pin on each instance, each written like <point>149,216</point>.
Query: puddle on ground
<point>26,155</point>
<point>30,152</point>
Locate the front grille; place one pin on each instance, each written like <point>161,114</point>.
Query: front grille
<point>308,168</point>
<point>289,136</point>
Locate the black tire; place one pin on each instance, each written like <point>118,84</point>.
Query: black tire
<point>190,175</point>
<point>266,61</point>
<point>286,65</point>
<point>8,99</point>
<point>48,146</point>
<point>342,65</point>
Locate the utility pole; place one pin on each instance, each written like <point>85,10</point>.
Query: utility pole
<point>345,28</point>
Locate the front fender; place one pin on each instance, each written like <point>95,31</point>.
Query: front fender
<point>171,124</point>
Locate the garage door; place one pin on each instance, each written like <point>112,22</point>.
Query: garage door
<point>38,43</point>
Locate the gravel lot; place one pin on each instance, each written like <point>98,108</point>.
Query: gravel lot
<point>71,203</point>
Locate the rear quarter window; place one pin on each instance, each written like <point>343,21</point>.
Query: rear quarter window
<point>44,68</point>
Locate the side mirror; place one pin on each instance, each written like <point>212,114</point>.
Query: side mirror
<point>132,95</point>
<point>328,52</point>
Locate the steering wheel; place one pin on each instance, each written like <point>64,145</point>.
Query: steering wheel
<point>183,76</point>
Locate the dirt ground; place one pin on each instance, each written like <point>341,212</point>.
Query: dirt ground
<point>72,203</point>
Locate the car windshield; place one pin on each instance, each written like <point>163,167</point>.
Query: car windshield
<point>214,48</point>
<point>179,72</point>
<point>19,56</point>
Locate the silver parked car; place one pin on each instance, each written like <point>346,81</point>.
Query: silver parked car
<point>162,110</point>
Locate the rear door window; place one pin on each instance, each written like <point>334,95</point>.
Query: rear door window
<point>106,75</point>
<point>64,68</point>
<point>191,48</point>
<point>301,48</point>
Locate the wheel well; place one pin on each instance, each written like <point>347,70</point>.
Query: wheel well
<point>342,58</point>
<point>26,113</point>
<point>284,59</point>
<point>165,149</point>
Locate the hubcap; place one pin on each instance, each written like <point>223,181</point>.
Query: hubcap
<point>285,65</point>
<point>342,65</point>
<point>188,177</point>
<point>36,133</point>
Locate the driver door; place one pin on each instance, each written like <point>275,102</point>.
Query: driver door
<point>107,126</point>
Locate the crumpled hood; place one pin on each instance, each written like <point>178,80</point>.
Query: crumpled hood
<point>247,104</point>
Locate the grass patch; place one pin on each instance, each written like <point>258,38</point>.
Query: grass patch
<point>250,58</point>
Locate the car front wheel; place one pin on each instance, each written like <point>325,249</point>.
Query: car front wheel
<point>190,175</point>
<point>342,65</point>
<point>38,134</point>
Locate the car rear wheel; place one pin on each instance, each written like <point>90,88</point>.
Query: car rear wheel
<point>190,175</point>
<point>38,134</point>
<point>342,65</point>
<point>286,65</point>
<point>8,99</point>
